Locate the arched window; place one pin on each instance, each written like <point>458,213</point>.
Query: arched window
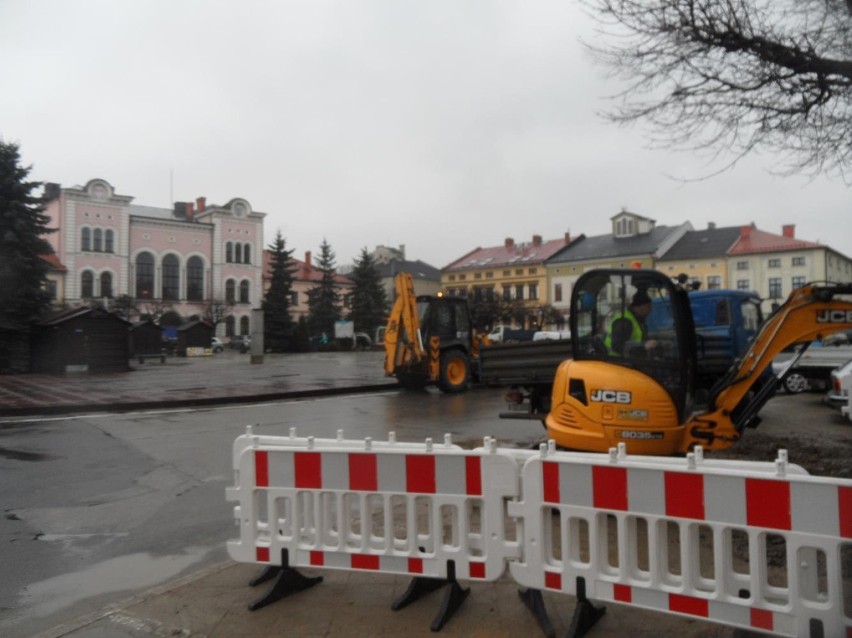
<point>229,292</point>
<point>145,276</point>
<point>244,325</point>
<point>194,279</point>
<point>109,240</point>
<point>229,252</point>
<point>98,246</point>
<point>244,291</point>
<point>238,253</point>
<point>87,285</point>
<point>247,254</point>
<point>85,239</point>
<point>171,278</point>
<point>106,285</point>
<point>229,326</point>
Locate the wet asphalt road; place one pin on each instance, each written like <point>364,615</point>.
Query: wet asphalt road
<point>99,507</point>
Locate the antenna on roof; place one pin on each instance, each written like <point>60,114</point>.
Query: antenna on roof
<point>171,185</point>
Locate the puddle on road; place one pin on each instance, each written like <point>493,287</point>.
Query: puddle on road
<point>19,455</point>
<point>134,571</point>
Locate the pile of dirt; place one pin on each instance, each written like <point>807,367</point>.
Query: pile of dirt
<point>828,457</point>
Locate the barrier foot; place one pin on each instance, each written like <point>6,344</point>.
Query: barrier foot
<point>288,581</point>
<point>269,572</point>
<point>453,599</point>
<point>534,601</point>
<point>585,613</point>
<point>417,588</point>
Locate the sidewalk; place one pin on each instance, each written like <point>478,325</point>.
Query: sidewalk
<point>222,378</point>
<point>214,602</point>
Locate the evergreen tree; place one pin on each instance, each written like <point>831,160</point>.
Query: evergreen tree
<point>369,300</point>
<point>323,299</point>
<point>277,322</point>
<point>23,273</point>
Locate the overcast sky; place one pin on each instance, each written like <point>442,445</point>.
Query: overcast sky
<point>442,126</point>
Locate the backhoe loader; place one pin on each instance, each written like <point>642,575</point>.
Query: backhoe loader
<point>642,390</point>
<point>430,340</point>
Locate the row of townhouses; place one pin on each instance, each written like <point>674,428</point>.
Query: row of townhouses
<point>741,257</point>
<point>189,256</point>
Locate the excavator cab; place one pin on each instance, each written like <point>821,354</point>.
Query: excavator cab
<point>632,375</point>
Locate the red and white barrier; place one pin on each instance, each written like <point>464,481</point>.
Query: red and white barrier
<point>748,544</point>
<point>672,539</point>
<point>377,506</point>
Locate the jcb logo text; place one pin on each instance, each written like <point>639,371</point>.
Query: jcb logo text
<point>834,316</point>
<point>611,396</point>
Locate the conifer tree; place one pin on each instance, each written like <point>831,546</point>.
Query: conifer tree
<point>324,299</point>
<point>23,273</point>
<point>369,300</point>
<point>277,321</point>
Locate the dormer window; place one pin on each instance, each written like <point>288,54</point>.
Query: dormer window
<point>625,227</point>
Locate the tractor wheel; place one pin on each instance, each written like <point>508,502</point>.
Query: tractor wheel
<point>455,372</point>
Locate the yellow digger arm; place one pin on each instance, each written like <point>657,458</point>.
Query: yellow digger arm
<point>403,341</point>
<point>809,313</point>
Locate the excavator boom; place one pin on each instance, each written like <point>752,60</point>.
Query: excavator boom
<point>403,341</point>
<point>810,313</point>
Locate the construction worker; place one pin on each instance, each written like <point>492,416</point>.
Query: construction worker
<point>629,326</point>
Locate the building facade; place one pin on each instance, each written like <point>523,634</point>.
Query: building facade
<point>635,241</point>
<point>188,261</point>
<point>774,265</point>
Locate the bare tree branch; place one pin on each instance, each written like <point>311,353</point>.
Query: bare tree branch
<point>735,76</point>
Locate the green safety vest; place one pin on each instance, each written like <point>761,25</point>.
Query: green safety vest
<point>635,335</point>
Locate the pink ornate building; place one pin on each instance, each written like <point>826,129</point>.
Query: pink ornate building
<point>182,259</point>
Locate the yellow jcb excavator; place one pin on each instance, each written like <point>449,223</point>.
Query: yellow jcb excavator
<point>430,340</point>
<point>640,389</point>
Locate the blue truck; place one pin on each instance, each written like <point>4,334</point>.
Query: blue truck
<point>725,323</point>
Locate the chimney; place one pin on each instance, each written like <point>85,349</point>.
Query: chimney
<point>190,211</point>
<point>789,230</point>
<point>745,231</point>
<point>308,258</point>
<point>201,204</point>
<point>567,238</point>
<point>536,240</point>
<point>711,225</point>
<point>510,243</point>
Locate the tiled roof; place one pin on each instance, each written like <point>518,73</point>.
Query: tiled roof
<point>509,254</point>
<point>301,271</point>
<point>54,262</point>
<point>608,246</point>
<point>752,241</point>
<point>703,244</point>
<point>417,269</point>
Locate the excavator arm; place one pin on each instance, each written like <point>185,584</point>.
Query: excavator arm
<point>810,313</point>
<point>403,341</point>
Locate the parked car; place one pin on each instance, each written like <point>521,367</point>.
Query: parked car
<point>838,395</point>
<point>216,345</point>
<point>240,342</point>
<point>813,370</point>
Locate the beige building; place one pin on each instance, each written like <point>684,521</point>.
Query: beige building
<point>635,241</point>
<point>774,265</point>
<point>702,255</point>
<point>515,271</point>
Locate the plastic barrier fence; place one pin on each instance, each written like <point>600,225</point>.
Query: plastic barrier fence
<point>748,544</point>
<point>399,508</point>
